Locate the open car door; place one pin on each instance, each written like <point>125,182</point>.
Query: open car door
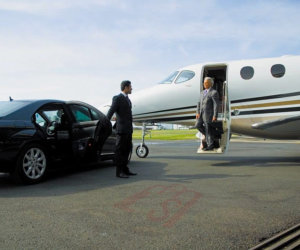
<point>222,125</point>
<point>89,132</point>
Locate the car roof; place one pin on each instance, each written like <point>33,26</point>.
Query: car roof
<point>28,108</point>
<point>81,103</point>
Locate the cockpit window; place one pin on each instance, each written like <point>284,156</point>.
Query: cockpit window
<point>184,76</point>
<point>170,78</point>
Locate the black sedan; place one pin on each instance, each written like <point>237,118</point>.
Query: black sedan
<point>35,134</point>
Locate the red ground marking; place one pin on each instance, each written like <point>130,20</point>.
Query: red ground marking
<point>175,191</point>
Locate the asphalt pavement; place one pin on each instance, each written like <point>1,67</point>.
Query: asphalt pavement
<point>178,200</point>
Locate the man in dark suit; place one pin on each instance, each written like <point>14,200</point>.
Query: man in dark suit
<point>207,112</point>
<point>121,105</point>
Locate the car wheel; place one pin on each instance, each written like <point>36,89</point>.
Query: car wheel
<point>31,164</point>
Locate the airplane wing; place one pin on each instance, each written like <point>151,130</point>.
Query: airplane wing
<point>274,123</point>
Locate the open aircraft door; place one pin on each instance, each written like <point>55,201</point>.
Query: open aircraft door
<point>222,125</point>
<point>225,118</point>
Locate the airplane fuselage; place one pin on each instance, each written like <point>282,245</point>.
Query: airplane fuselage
<point>259,91</point>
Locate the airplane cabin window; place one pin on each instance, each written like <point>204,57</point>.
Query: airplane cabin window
<point>170,78</point>
<point>278,70</point>
<point>184,76</point>
<point>247,72</point>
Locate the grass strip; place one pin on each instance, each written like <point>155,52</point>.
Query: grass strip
<point>186,134</point>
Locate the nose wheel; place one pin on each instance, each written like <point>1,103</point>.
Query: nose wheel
<point>142,151</point>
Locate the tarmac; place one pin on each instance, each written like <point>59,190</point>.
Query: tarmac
<point>178,200</point>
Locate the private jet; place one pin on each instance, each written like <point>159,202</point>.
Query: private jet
<point>258,97</point>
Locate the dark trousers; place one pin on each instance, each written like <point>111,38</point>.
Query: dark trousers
<point>123,148</point>
<point>207,129</point>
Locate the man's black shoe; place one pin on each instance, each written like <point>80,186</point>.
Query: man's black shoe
<point>122,175</point>
<point>130,173</point>
<point>208,149</point>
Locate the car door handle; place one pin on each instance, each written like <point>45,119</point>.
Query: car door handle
<point>75,130</point>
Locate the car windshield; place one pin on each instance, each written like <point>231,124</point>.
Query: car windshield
<point>7,107</point>
<point>170,78</point>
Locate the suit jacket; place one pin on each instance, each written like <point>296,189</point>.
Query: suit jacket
<point>208,105</point>
<point>122,107</point>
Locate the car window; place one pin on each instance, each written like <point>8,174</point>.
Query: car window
<point>47,114</point>
<point>7,107</point>
<point>81,113</point>
<point>52,115</point>
<point>95,115</point>
<point>39,120</point>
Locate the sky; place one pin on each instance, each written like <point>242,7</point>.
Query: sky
<point>83,49</point>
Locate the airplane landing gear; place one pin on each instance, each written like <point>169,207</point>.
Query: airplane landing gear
<point>142,150</point>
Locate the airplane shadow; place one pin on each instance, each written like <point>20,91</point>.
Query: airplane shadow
<point>240,161</point>
<point>259,162</point>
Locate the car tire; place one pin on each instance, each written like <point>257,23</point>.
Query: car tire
<point>31,165</point>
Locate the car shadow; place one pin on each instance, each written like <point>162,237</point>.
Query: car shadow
<point>69,180</point>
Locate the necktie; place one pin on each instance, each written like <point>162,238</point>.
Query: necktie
<point>129,102</point>
<point>205,92</point>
